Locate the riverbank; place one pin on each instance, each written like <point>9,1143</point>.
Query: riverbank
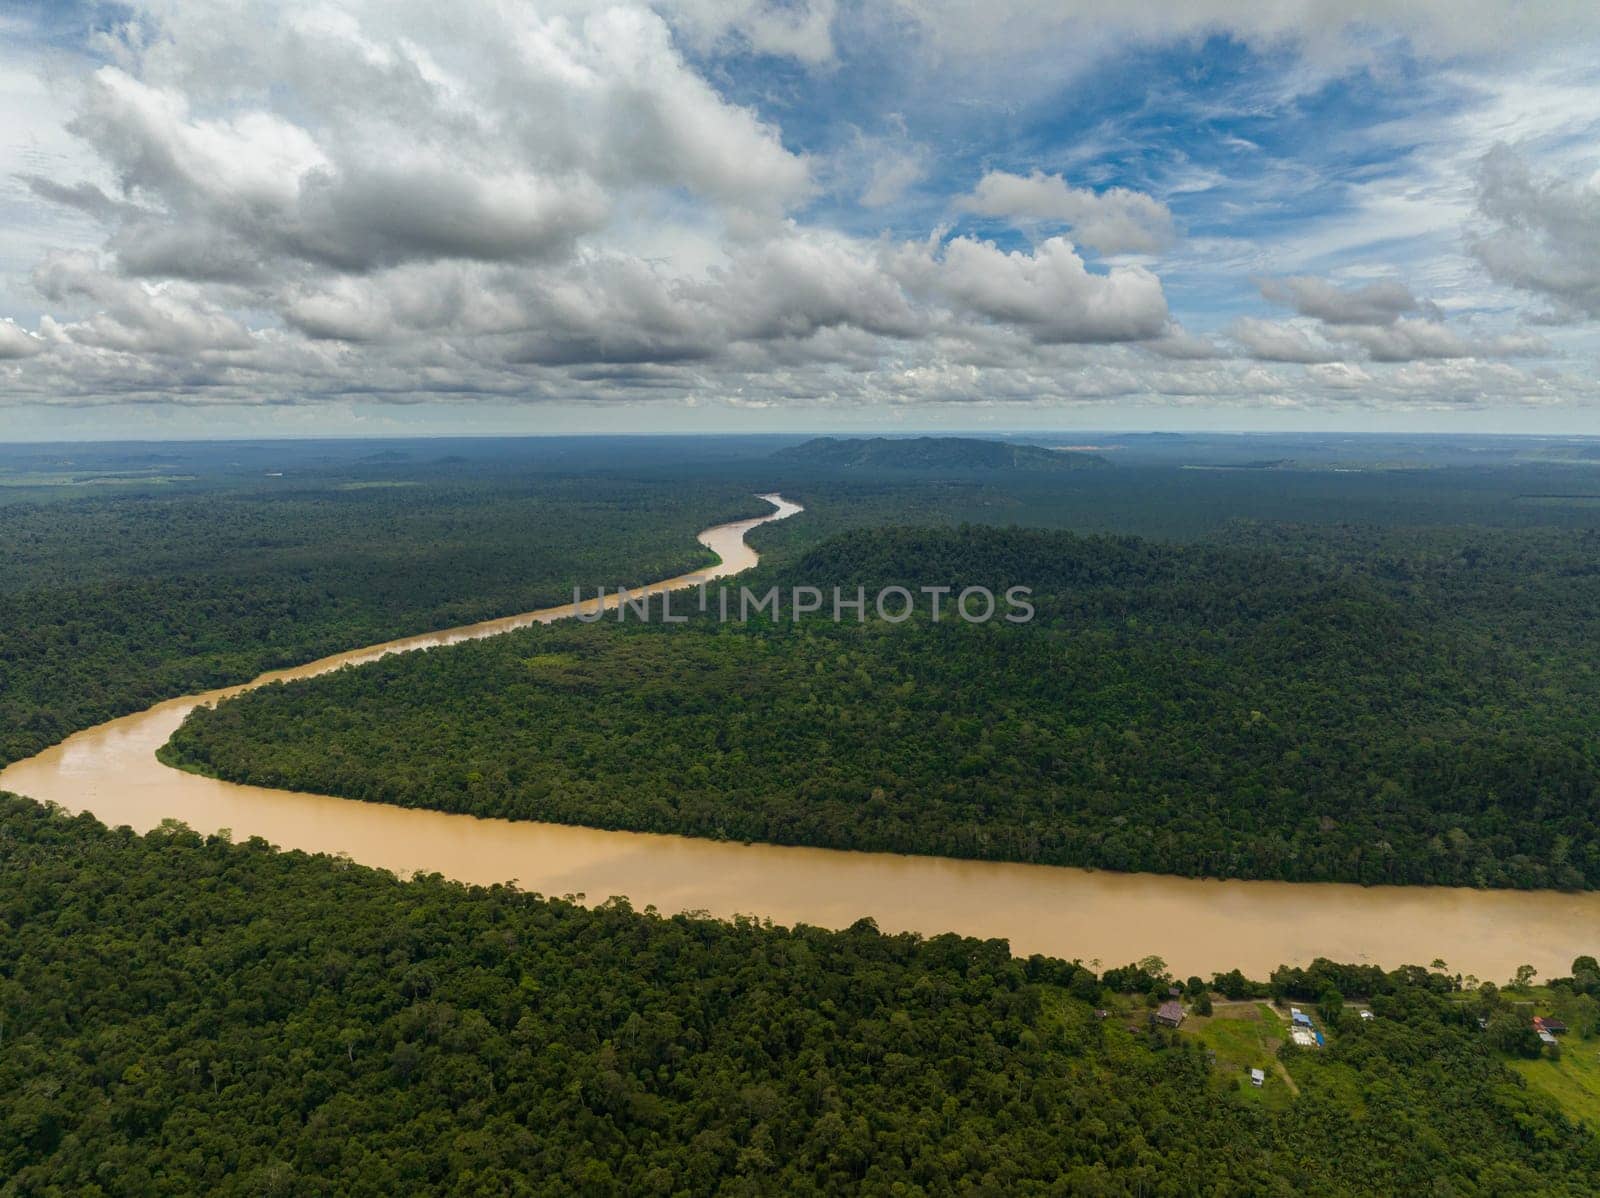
<point>1197,926</point>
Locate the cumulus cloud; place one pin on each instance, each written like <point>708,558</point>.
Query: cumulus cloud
<point>135,317</point>
<point>1370,320</point>
<point>1411,340</point>
<point>1178,343</point>
<point>1114,221</point>
<point>350,189</point>
<point>1408,341</point>
<point>795,285</point>
<point>294,201</point>
<point>1049,292</point>
<point>1543,233</point>
<point>17,342</point>
<point>457,171</point>
<point>1374,303</point>
<point>1275,341</point>
<point>1339,376</point>
<point>255,189</point>
<point>790,289</point>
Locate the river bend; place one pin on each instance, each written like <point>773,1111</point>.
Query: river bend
<point>1197,925</point>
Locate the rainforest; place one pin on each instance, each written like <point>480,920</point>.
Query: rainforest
<point>1304,682</point>
<point>1396,708</point>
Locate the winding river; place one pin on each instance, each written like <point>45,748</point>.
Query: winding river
<point>1197,925</point>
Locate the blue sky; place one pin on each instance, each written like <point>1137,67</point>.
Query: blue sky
<point>351,216</point>
<point>1227,135</point>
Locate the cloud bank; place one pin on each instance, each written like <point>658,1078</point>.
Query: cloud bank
<point>294,202</point>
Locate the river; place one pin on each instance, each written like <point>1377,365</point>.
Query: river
<point>1196,925</point>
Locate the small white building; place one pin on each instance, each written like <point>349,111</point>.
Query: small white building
<point>1258,1078</point>
<point>1367,1015</point>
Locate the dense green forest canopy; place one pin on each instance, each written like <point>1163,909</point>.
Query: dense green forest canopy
<point>1369,706</point>
<point>188,1016</point>
<point>109,604</point>
<point>933,453</point>
<point>181,1015</point>
<point>135,572</point>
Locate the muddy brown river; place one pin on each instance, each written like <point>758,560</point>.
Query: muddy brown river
<point>1197,925</point>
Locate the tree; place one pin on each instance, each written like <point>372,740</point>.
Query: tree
<point>1512,1033</point>
<point>1232,984</point>
<point>637,1054</point>
<point>350,1037</point>
<point>1586,974</point>
<point>1580,1012</point>
<point>1331,1006</point>
<point>1155,967</point>
<point>1084,986</point>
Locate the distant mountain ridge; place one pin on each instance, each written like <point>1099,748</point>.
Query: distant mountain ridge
<point>934,453</point>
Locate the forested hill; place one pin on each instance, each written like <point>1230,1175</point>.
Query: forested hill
<point>1198,710</point>
<point>932,453</point>
<point>184,1016</point>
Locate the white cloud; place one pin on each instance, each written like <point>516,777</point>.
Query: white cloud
<point>150,139</point>
<point>801,30</point>
<point>1543,235</point>
<point>1329,27</point>
<point>135,317</point>
<point>1381,302</point>
<point>304,201</point>
<point>1339,376</point>
<point>796,284</point>
<point>1275,341</point>
<point>1113,221</point>
<point>1410,340</point>
<point>891,176</point>
<point>17,342</point>
<point>1049,292</point>
<point>659,120</point>
<point>1178,343</point>
<point>514,152</point>
<point>1368,318</point>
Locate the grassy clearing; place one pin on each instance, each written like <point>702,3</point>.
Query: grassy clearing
<point>1247,1036</point>
<point>1573,1081</point>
